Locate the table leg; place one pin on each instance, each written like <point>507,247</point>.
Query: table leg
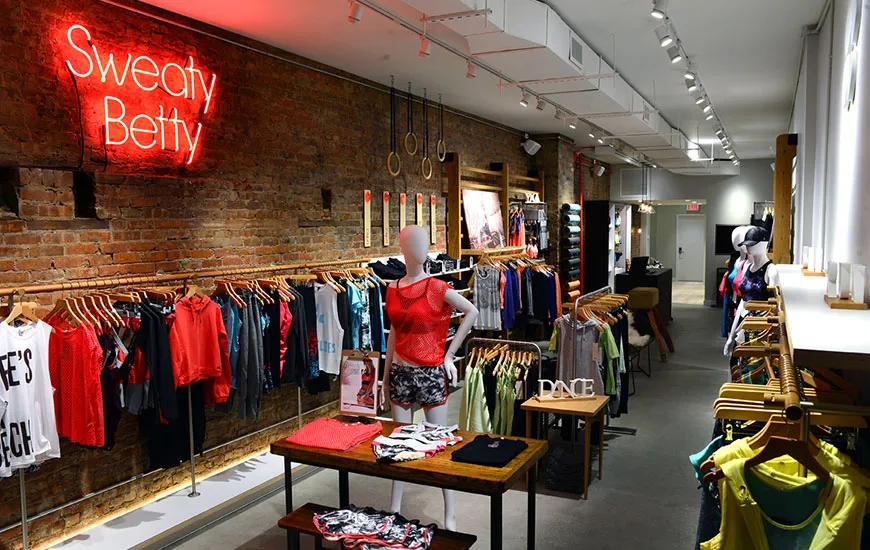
<point>318,543</point>
<point>292,535</point>
<point>343,489</point>
<point>528,424</point>
<point>587,454</point>
<point>532,493</point>
<point>601,444</point>
<point>573,421</point>
<point>496,525</point>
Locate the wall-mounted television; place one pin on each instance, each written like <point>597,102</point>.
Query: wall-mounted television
<point>724,246</point>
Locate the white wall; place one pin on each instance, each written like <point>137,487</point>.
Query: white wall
<point>729,200</point>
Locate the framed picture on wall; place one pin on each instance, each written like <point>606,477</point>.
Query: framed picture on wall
<point>483,218</point>
<point>359,383</point>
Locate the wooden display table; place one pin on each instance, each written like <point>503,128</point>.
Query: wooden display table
<point>438,471</point>
<point>589,409</point>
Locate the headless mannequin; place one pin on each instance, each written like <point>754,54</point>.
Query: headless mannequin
<point>757,254</point>
<point>742,263</point>
<point>414,242</point>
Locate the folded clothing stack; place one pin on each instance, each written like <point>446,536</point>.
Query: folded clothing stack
<point>392,270</point>
<point>329,433</point>
<point>370,529</point>
<point>414,441</point>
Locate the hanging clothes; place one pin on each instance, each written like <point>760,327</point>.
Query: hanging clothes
<point>330,333</point>
<point>297,367</point>
<point>200,348</point>
<point>583,363</point>
<point>419,319</point>
<point>28,430</point>
<point>487,298</point>
<point>250,371</point>
<point>473,413</point>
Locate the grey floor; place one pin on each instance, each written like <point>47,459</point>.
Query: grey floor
<point>647,499</point>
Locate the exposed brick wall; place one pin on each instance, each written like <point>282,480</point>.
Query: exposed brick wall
<point>278,135</point>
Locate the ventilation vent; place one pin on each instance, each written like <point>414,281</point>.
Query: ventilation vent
<point>576,53</point>
<point>630,183</point>
<point>647,112</point>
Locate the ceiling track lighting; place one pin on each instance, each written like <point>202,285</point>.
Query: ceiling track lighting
<point>735,162</point>
<point>470,70</point>
<point>665,36</point>
<point>675,54</point>
<point>559,114</point>
<point>691,86</point>
<point>601,141</point>
<point>720,132</point>
<point>710,116</point>
<point>699,98</point>
<point>707,108</point>
<point>355,13</point>
<point>525,100</point>
<point>660,9</point>
<point>572,124</point>
<point>541,104</point>
<point>591,135</point>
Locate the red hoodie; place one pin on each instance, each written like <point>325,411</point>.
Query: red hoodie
<point>200,348</point>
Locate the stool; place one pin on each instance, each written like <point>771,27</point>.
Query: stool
<point>645,300</point>
<point>302,521</point>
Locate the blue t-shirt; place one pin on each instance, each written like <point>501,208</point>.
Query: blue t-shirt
<point>356,307</point>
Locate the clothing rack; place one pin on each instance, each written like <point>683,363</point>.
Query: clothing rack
<point>514,345</point>
<point>93,284</point>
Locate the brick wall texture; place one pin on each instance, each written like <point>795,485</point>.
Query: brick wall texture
<point>275,137</point>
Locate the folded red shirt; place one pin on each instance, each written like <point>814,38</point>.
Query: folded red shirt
<point>328,433</point>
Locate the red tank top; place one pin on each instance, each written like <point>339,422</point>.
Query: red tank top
<point>419,318</point>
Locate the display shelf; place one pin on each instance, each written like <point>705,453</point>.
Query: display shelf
<point>818,335</point>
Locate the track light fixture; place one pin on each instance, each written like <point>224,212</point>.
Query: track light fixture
<point>735,162</point>
<point>710,116</point>
<point>719,132</point>
<point>699,97</point>
<point>708,108</point>
<point>425,47</point>
<point>675,54</point>
<point>559,114</point>
<point>691,86</point>
<point>470,69</point>
<point>690,74</point>
<point>601,141</point>
<point>525,100</point>
<point>541,104</point>
<point>660,9</point>
<point>572,124</point>
<point>591,135</point>
<point>665,36</point>
<point>355,13</point>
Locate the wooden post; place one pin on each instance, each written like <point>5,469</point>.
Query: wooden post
<point>454,206</point>
<point>786,150</point>
<point>504,196</point>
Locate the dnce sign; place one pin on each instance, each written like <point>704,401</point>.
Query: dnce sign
<point>139,101</point>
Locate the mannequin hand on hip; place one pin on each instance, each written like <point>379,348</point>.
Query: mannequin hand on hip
<point>730,344</point>
<point>452,374</point>
<point>384,393</point>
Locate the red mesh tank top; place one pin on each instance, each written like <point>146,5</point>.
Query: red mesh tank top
<point>419,317</point>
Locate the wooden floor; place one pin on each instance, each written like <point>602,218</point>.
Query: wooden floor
<point>688,293</point>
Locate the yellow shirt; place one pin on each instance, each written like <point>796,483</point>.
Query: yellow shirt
<point>841,509</point>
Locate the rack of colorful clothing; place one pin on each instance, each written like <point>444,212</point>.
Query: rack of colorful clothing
<point>780,453</point>
<point>592,343</point>
<point>512,291</point>
<point>499,376</point>
<point>130,350</point>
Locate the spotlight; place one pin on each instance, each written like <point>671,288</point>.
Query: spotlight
<point>699,98</point>
<point>663,33</point>
<point>470,70</point>
<point>719,132</point>
<point>425,47</point>
<point>601,141</point>
<point>660,8</point>
<point>530,146</point>
<point>525,100</point>
<point>674,54</point>
<point>355,13</point>
<point>572,124</point>
<point>591,135</point>
<point>690,75</point>
<point>708,108</point>
<point>735,162</point>
<point>599,170</point>
<point>540,106</point>
<point>559,115</point>
<point>710,116</point>
<point>691,86</point>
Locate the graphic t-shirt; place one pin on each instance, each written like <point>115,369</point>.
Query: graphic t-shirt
<point>329,331</point>
<point>28,430</point>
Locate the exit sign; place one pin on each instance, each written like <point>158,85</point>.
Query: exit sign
<point>692,207</point>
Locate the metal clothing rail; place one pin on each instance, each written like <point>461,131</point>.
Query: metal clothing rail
<point>512,344</point>
<point>92,284</point>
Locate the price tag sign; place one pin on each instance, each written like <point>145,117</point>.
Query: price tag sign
<point>386,218</point>
<point>403,210</point>
<point>433,226</point>
<point>419,208</point>
<point>367,219</point>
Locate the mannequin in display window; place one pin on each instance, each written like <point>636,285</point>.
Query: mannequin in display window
<point>416,371</point>
<point>759,274</point>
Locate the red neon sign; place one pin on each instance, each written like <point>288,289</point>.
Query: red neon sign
<point>128,80</point>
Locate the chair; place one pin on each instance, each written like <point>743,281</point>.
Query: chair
<point>645,301</point>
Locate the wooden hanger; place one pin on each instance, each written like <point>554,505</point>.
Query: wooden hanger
<point>775,448</point>
<point>64,310</point>
<point>22,309</point>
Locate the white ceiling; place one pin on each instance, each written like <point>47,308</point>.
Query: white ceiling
<point>747,52</point>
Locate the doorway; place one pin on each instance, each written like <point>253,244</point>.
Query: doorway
<point>691,259</point>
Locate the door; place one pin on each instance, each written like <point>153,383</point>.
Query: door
<point>691,247</point>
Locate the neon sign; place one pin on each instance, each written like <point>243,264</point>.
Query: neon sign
<point>131,81</point>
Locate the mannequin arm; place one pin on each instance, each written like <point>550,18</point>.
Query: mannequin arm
<point>735,326</point>
<point>771,276</point>
<point>462,304</point>
<point>388,363</point>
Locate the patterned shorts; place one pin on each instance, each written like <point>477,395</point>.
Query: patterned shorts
<point>424,385</point>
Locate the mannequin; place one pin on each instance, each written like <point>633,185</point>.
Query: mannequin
<point>414,242</point>
<point>760,274</point>
<point>737,263</point>
<point>741,264</point>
